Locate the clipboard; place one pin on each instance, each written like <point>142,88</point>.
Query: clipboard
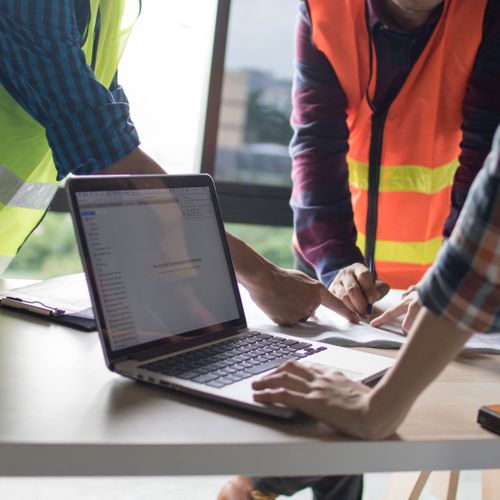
<point>64,300</point>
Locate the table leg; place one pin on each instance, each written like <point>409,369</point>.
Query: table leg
<point>445,484</point>
<point>490,484</point>
<point>405,485</point>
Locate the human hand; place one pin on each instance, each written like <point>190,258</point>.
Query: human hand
<point>238,488</point>
<point>409,306</point>
<point>285,295</point>
<point>355,287</point>
<point>326,396</point>
<point>288,296</point>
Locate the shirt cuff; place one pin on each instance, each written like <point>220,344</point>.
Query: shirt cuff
<point>87,142</point>
<point>324,268</point>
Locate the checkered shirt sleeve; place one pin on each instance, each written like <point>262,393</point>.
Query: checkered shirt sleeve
<point>43,67</point>
<point>463,285</point>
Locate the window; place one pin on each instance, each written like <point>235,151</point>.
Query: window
<point>254,129</point>
<point>164,71</point>
<point>273,243</point>
<point>50,251</point>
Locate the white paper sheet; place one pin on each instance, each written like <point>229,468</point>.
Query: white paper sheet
<point>69,293</point>
<point>331,328</point>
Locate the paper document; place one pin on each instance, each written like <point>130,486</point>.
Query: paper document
<point>330,327</point>
<point>64,300</point>
<point>69,293</point>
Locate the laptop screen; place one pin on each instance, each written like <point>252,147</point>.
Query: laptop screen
<point>158,262</point>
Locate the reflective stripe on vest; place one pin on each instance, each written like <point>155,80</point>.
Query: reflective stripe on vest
<point>413,178</point>
<point>421,131</point>
<point>27,171</point>
<point>399,186</point>
<point>14,192</point>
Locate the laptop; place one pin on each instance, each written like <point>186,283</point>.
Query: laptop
<point>165,295</point>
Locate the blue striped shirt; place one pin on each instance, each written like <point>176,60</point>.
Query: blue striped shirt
<point>43,67</point>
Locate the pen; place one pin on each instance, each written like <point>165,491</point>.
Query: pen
<point>371,267</point>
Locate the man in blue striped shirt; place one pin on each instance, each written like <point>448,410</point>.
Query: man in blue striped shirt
<point>88,126</point>
<point>89,130</point>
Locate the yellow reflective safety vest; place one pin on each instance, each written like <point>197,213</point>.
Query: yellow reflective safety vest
<point>27,171</point>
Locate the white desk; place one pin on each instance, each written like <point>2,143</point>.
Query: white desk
<point>63,413</point>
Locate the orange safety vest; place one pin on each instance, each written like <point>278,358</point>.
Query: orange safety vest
<point>402,161</point>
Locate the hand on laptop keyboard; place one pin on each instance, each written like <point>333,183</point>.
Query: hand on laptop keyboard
<point>232,360</point>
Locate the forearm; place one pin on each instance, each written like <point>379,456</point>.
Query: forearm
<point>432,344</point>
<point>137,162</point>
<point>460,293</point>
<point>323,216</point>
<point>321,200</point>
<point>250,267</point>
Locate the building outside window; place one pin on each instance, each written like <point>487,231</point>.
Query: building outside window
<point>254,121</point>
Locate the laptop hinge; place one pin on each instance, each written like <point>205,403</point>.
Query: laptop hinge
<point>115,361</point>
<point>187,344</point>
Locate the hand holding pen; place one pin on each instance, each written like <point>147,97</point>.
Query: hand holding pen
<point>357,289</point>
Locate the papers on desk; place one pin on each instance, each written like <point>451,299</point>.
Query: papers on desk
<point>331,328</point>
<point>63,300</point>
<point>69,294</point>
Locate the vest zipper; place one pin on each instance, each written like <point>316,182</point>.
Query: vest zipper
<point>374,161</point>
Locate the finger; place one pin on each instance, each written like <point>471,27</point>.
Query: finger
<point>347,301</point>
<point>366,283</point>
<point>335,304</point>
<point>290,320</point>
<point>291,399</point>
<point>355,294</point>
<point>340,292</point>
<point>299,369</point>
<point>309,314</point>
<point>410,289</point>
<point>313,316</point>
<point>390,315</point>
<point>282,380</point>
<point>410,316</point>
<point>284,321</point>
<point>382,288</point>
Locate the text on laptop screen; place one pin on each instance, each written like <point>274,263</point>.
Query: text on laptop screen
<point>158,261</point>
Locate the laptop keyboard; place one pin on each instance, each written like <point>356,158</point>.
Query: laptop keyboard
<point>233,360</point>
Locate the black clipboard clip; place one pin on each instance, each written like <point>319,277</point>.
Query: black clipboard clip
<point>34,306</point>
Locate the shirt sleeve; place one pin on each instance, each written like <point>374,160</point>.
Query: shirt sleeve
<point>88,126</point>
<point>463,285</point>
<point>321,200</point>
<point>481,112</point>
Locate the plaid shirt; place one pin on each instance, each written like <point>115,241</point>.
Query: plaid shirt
<point>42,66</point>
<point>463,285</point>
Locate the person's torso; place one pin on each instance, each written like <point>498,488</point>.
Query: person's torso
<point>404,99</point>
